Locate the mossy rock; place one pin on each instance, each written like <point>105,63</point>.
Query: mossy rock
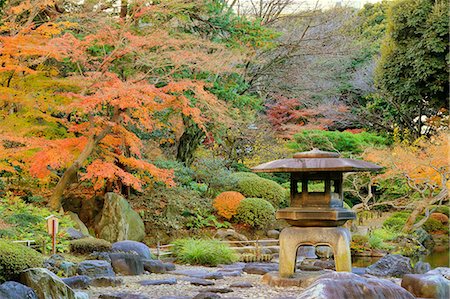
<point>15,258</point>
<point>89,245</point>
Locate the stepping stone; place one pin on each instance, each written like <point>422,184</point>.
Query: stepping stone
<point>199,273</point>
<point>228,273</point>
<point>217,290</point>
<point>207,296</point>
<point>243,284</point>
<point>175,297</point>
<point>77,282</point>
<point>200,282</point>
<point>122,295</point>
<point>260,268</point>
<point>106,281</point>
<point>158,282</point>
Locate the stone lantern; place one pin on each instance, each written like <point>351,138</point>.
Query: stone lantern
<point>316,213</point>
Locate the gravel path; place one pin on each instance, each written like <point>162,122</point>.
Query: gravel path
<point>184,288</point>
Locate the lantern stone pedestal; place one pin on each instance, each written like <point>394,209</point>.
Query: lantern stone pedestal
<point>338,238</point>
<point>316,210</point>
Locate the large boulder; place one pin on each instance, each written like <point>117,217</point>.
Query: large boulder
<point>427,285</point>
<point>352,286</point>
<point>46,284</point>
<point>95,268</point>
<point>15,290</point>
<point>133,247</point>
<point>119,221</point>
<point>126,263</point>
<point>391,265</point>
<point>80,230</point>
<point>78,282</point>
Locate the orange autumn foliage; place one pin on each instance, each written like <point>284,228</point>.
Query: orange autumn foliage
<point>226,203</point>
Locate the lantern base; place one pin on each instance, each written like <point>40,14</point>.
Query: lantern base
<point>315,216</point>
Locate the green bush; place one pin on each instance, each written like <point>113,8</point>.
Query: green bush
<point>434,225</point>
<point>396,221</point>
<point>15,258</point>
<point>203,252</point>
<point>256,212</point>
<point>89,245</point>
<point>27,222</point>
<point>251,185</point>
<point>336,141</point>
<point>441,209</point>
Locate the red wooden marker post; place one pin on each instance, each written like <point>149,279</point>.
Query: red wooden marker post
<point>52,229</point>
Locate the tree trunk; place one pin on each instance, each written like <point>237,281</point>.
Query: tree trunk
<point>71,171</point>
<point>189,142</point>
<point>421,207</point>
<point>123,9</point>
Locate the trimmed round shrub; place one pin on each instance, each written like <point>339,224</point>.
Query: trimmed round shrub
<point>256,212</point>
<point>203,252</point>
<point>442,218</point>
<point>89,245</point>
<point>15,258</point>
<point>253,186</point>
<point>226,203</point>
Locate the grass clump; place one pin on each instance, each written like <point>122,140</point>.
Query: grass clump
<point>15,258</point>
<point>203,252</point>
<point>396,221</point>
<point>89,245</point>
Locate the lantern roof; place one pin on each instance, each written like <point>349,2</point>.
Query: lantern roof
<point>316,161</point>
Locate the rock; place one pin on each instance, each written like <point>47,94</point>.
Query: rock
<point>104,256</point>
<point>46,284</point>
<point>106,281</point>
<point>207,296</point>
<point>421,268</point>
<point>200,282</point>
<point>15,290</point>
<point>242,284</point>
<point>216,290</point>
<point>74,234</point>
<point>324,251</point>
<point>260,268</point>
<point>169,266</point>
<point>148,282</point>
<point>231,235</point>
<point>127,263</point>
<point>230,273</point>
<point>81,295</point>
<point>95,268</point>
<point>327,264</point>
<point>427,285</point>
<point>134,247</point>
<point>358,270</point>
<point>155,266</point>
<point>442,218</point>
<point>175,297</point>
<point>199,273</point>
<point>122,295</point>
<point>352,286</point>
<point>444,271</point>
<point>78,282</point>
<point>273,234</point>
<point>57,264</point>
<point>390,265</point>
<point>119,221</point>
<point>79,225</point>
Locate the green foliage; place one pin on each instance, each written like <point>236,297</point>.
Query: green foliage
<point>203,252</point>
<point>201,218</point>
<point>15,258</point>
<point>214,174</point>
<point>434,225</point>
<point>170,209</point>
<point>441,209</point>
<point>251,185</point>
<point>386,234</point>
<point>184,176</point>
<point>255,212</point>
<point>396,221</point>
<point>359,243</point>
<point>342,142</point>
<point>89,245</point>
<point>28,223</point>
<point>413,69</point>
